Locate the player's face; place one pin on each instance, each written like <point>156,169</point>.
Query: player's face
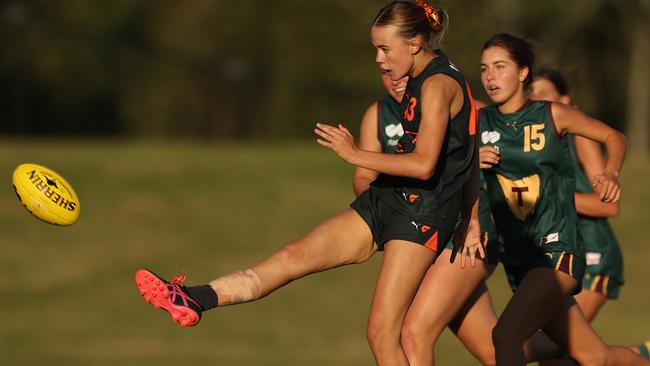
<point>501,76</point>
<point>543,89</point>
<point>395,88</point>
<point>393,52</point>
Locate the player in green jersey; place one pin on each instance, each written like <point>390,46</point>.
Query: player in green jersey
<point>439,172</point>
<point>604,271</point>
<point>531,187</point>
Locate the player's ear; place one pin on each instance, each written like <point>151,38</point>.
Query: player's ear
<point>565,99</point>
<point>415,45</point>
<point>523,73</point>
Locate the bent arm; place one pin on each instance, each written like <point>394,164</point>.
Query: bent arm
<point>591,160</point>
<point>437,95</point>
<point>572,120</point>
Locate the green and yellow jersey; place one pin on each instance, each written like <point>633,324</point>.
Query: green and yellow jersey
<point>531,190</point>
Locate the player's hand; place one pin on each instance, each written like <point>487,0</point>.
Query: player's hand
<point>468,239</point>
<point>339,139</point>
<point>608,186</point>
<point>488,156</point>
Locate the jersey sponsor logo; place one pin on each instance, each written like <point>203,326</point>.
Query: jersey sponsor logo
<point>521,194</point>
<point>490,137</point>
<point>593,258</point>
<point>550,238</point>
<point>393,130</point>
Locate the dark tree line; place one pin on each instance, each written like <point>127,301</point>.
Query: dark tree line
<point>270,69</point>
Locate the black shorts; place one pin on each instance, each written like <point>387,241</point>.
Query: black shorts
<point>386,223</point>
<point>560,261</point>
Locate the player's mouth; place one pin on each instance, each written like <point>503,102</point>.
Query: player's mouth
<point>493,89</point>
<point>399,89</point>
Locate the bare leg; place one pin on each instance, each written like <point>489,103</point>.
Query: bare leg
<point>402,270</point>
<point>532,306</point>
<point>340,240</point>
<point>443,293</point>
<point>543,301</point>
<point>474,323</point>
<point>590,303</point>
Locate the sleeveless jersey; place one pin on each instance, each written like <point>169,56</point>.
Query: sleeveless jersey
<point>438,199</point>
<point>531,190</point>
<point>602,251</point>
<point>389,124</point>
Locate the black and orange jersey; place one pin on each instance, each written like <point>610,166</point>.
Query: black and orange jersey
<point>437,199</point>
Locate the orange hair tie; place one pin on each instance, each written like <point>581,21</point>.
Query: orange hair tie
<point>432,15</point>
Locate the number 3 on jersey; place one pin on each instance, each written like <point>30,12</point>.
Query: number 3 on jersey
<point>409,113</point>
<point>534,137</point>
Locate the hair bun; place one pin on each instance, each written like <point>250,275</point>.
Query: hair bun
<point>434,16</point>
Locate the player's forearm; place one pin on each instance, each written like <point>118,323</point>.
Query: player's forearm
<point>411,165</point>
<point>589,204</point>
<point>616,145</point>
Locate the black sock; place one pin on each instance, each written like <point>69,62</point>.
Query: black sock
<point>204,295</point>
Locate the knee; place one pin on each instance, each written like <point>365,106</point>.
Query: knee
<point>502,336</point>
<point>381,337</point>
<point>594,357</point>
<point>291,254</point>
<point>416,337</point>
<point>485,355</point>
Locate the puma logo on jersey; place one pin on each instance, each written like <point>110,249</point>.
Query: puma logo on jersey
<point>421,228</point>
<point>393,130</point>
<point>490,137</point>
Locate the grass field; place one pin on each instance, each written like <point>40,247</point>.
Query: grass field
<point>67,294</point>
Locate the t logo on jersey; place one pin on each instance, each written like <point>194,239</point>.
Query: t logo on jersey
<point>521,194</point>
<point>409,113</point>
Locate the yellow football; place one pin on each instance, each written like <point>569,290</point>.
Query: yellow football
<point>45,194</point>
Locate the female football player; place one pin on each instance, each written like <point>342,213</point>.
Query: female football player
<point>604,271</point>
<point>449,294</point>
<point>530,188</point>
<point>423,194</point>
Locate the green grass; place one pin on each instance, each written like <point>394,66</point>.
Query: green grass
<point>67,296</point>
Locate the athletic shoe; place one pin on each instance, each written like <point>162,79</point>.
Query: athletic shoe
<point>169,296</point>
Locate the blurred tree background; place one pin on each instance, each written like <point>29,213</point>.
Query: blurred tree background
<point>215,70</point>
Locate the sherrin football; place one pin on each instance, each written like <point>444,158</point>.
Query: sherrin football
<point>46,194</point>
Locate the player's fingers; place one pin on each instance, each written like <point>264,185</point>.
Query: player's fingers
<point>481,251</point>
<point>463,258</point>
<point>324,143</point>
<point>603,190</point>
<point>323,134</point>
<point>618,194</point>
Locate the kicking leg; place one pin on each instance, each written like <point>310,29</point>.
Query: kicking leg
<point>343,239</point>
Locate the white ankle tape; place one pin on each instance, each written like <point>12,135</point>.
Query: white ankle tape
<point>237,287</point>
